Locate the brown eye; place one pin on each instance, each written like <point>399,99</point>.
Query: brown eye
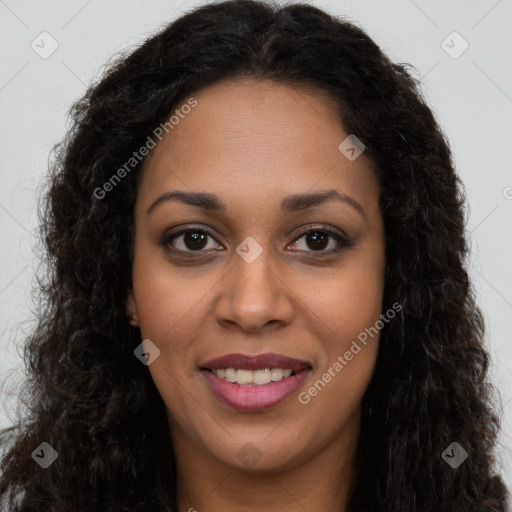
<point>195,240</point>
<point>317,240</point>
<point>189,240</point>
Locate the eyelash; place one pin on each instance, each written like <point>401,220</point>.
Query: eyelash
<point>343,242</point>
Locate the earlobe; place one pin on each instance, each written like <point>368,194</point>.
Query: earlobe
<point>131,309</point>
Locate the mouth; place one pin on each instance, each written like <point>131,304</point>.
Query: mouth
<point>259,377</point>
<point>252,383</point>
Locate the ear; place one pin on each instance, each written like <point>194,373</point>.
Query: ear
<point>131,309</point>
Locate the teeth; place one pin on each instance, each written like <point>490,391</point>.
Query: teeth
<point>258,377</point>
<point>244,376</point>
<point>230,375</point>
<point>276,374</point>
<point>261,377</point>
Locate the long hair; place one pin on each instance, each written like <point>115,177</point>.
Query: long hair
<point>97,406</point>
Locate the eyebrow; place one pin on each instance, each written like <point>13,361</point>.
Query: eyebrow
<point>292,203</point>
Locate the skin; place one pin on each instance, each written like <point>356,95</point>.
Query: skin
<point>252,143</point>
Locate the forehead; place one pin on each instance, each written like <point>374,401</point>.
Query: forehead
<point>257,138</point>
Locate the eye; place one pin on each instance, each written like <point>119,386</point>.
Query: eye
<point>195,240</point>
<point>189,240</point>
<point>317,239</point>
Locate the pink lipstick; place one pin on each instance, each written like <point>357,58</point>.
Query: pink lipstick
<point>254,382</point>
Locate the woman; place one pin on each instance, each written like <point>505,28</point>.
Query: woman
<point>258,296</point>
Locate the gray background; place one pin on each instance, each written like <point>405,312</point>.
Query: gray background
<point>471,96</point>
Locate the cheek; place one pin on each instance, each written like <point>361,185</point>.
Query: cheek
<point>166,300</point>
<point>169,314</point>
<point>349,300</point>
<point>164,307</point>
<point>349,308</point>
<point>349,351</point>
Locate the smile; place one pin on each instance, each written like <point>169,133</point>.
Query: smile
<point>252,383</point>
<point>253,377</point>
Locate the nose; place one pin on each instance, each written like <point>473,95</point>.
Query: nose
<point>254,295</point>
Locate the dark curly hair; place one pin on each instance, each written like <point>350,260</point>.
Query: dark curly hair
<point>93,401</point>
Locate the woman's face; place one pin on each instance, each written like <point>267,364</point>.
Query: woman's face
<point>247,279</point>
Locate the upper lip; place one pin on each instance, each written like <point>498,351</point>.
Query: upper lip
<point>255,362</point>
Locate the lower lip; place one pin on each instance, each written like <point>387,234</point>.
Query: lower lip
<point>254,398</point>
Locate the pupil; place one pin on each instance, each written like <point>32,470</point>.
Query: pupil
<point>195,239</point>
<point>315,236</point>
